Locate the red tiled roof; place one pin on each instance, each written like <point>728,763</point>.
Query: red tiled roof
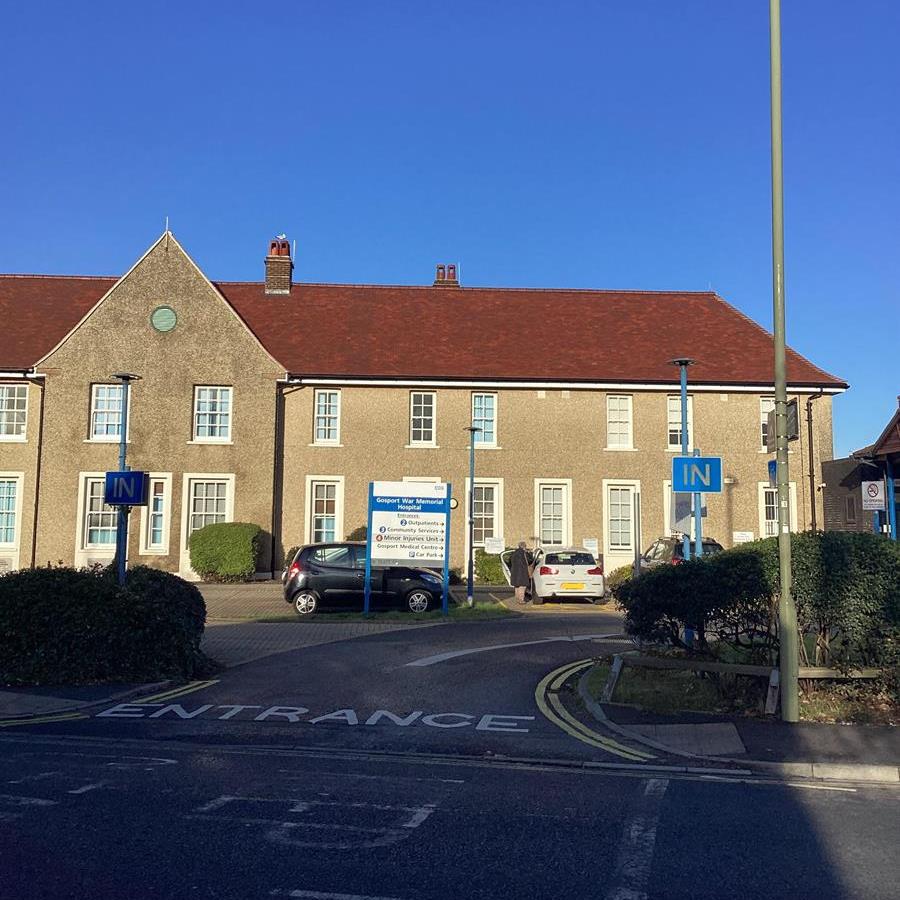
<point>448,332</point>
<point>507,333</point>
<point>38,311</point>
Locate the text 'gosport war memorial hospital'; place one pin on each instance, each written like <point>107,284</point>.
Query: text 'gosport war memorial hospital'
<point>276,402</point>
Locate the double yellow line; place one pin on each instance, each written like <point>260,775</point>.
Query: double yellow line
<point>175,693</point>
<point>39,720</point>
<point>164,697</point>
<point>546,696</point>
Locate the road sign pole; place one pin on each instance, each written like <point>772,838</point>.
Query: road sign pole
<point>470,579</point>
<point>788,656</point>
<point>367,586</point>
<point>445,593</point>
<point>698,519</point>
<point>122,523</point>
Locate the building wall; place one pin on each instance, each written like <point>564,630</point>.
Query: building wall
<point>208,346</point>
<point>18,462</point>
<point>843,495</point>
<point>551,434</point>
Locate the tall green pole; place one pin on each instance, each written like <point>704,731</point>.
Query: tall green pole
<point>788,659</point>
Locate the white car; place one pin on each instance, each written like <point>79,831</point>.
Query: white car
<point>561,573</point>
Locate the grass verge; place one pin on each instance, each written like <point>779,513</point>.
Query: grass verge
<point>670,691</point>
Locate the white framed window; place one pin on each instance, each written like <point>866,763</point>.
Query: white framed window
<point>768,509</point>
<point>212,414</point>
<point>673,422</point>
<point>13,411</point>
<point>156,515</point>
<point>766,405</point>
<point>422,419</point>
<point>488,508</point>
<point>484,417</point>
<point>10,509</point>
<point>99,521</point>
<point>618,504</point>
<point>106,412</point>
<point>667,508</point>
<point>553,511</point>
<point>327,417</point>
<point>209,501</point>
<point>324,508</point>
<point>619,428</point>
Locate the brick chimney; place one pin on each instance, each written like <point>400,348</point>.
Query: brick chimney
<point>279,266</point>
<point>445,275</point>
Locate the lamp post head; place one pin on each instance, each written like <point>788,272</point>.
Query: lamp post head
<point>473,428</point>
<point>126,376</point>
<point>682,361</point>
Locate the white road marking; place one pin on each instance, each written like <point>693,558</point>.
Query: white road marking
<point>39,777</point>
<point>632,873</point>
<point>455,654</point>
<point>821,787</point>
<point>25,801</point>
<point>88,787</point>
<point>325,895</point>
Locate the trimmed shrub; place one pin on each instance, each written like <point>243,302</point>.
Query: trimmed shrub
<point>358,534</point>
<point>487,568</point>
<point>75,626</point>
<point>225,551</point>
<point>618,577</point>
<point>846,587</point>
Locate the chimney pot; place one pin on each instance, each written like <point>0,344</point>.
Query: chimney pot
<point>279,266</point>
<point>440,274</point>
<point>451,273</point>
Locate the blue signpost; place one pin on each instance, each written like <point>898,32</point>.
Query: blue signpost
<point>408,524</point>
<point>697,475</point>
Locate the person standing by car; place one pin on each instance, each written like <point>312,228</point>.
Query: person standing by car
<point>519,576</point>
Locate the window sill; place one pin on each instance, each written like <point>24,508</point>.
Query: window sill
<point>621,449</point>
<point>105,441</point>
<point>422,447</point>
<point>324,445</point>
<point>145,552</point>
<point>678,450</point>
<point>212,443</point>
<point>487,447</point>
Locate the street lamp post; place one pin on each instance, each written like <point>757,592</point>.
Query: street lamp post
<point>470,581</point>
<point>788,640</point>
<point>124,379</point>
<point>683,362</point>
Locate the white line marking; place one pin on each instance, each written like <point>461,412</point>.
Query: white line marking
<point>821,787</point>
<point>88,787</point>
<point>454,654</point>
<point>632,873</point>
<point>25,801</point>
<point>325,895</point>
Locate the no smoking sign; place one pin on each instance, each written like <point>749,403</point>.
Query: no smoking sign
<point>873,495</point>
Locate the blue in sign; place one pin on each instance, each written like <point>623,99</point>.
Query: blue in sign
<point>697,474</point>
<point>126,488</point>
<point>773,472</point>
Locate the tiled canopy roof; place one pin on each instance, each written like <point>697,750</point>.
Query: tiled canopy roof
<point>449,332</point>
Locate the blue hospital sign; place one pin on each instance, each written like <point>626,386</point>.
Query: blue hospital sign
<point>697,474</point>
<point>126,488</point>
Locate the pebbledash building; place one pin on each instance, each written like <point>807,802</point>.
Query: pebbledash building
<point>276,402</point>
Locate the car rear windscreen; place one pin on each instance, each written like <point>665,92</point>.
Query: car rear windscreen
<point>569,559</point>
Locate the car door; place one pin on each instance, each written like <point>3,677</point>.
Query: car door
<point>376,598</point>
<point>333,575</point>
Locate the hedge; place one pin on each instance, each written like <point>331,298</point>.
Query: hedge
<point>75,626</point>
<point>225,551</point>
<point>846,587</point>
<point>488,569</point>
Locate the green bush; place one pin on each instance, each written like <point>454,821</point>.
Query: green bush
<point>70,626</point>
<point>846,587</point>
<point>487,568</point>
<point>618,577</point>
<point>358,534</point>
<point>225,551</point>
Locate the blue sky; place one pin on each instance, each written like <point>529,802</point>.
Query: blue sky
<point>565,144</point>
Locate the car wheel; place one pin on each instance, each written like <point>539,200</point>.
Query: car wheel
<point>418,601</point>
<point>305,603</point>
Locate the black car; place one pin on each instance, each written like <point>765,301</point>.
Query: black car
<point>669,551</point>
<point>334,575</point>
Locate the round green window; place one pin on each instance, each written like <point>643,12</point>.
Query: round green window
<point>163,318</point>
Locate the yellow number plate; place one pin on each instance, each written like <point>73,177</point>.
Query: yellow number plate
<point>573,586</point>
